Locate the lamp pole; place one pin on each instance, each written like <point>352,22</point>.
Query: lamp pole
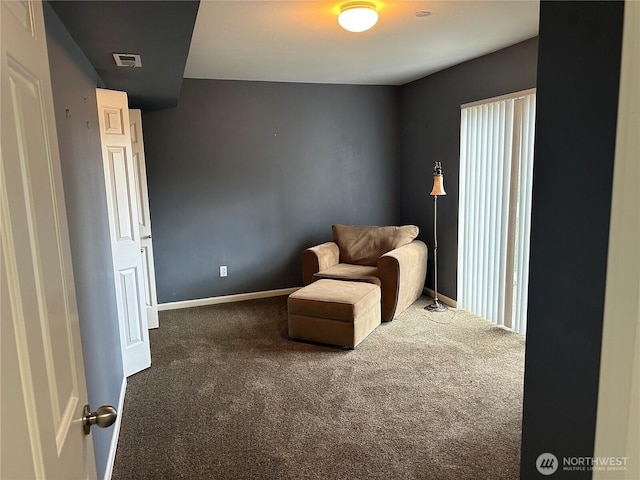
<point>436,191</point>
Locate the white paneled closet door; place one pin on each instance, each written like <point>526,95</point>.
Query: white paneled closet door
<point>122,205</point>
<point>144,218</point>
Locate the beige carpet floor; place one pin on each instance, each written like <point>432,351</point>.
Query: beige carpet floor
<point>229,396</point>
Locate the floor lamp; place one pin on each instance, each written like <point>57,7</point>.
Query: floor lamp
<point>436,191</point>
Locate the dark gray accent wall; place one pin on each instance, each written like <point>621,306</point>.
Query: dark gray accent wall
<point>430,132</point>
<point>74,81</point>
<point>248,174</point>
<point>160,31</point>
<point>577,101</point>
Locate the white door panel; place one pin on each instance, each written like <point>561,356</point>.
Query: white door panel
<point>122,205</point>
<point>132,307</point>
<point>43,389</point>
<point>118,195</point>
<point>144,218</point>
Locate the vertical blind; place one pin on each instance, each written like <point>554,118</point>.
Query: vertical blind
<point>496,173</point>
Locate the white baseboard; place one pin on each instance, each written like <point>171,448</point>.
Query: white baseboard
<point>226,299</point>
<point>116,432</point>
<point>443,298</point>
<point>264,294</point>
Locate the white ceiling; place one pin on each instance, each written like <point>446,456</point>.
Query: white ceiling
<point>301,41</point>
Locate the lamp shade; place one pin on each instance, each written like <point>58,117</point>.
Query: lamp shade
<point>358,16</point>
<point>438,181</point>
<point>438,186</point>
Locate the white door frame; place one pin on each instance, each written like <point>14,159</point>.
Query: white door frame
<point>618,416</point>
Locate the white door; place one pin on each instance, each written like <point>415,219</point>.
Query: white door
<point>122,205</point>
<point>144,218</point>
<point>42,384</point>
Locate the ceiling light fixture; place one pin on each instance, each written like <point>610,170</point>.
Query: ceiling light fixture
<point>358,16</point>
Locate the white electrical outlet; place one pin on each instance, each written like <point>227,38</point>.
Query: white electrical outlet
<point>223,270</point>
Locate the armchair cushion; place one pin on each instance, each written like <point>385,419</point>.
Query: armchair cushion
<point>354,273</point>
<point>365,245</point>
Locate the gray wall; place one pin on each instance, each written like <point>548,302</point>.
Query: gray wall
<point>430,132</point>
<point>74,81</point>
<point>579,59</point>
<point>248,174</point>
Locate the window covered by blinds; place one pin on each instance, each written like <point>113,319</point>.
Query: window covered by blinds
<point>496,173</point>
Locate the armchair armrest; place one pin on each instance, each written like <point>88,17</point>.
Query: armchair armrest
<point>402,275</point>
<point>318,258</point>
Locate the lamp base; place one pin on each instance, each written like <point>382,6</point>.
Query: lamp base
<point>436,306</point>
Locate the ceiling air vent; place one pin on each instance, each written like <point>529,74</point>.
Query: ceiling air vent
<point>127,60</point>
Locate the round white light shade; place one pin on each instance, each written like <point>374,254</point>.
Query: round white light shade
<point>358,16</point>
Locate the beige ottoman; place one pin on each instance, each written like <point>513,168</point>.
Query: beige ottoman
<point>336,312</point>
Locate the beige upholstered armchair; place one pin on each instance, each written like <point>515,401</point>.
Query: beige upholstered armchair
<point>386,256</point>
